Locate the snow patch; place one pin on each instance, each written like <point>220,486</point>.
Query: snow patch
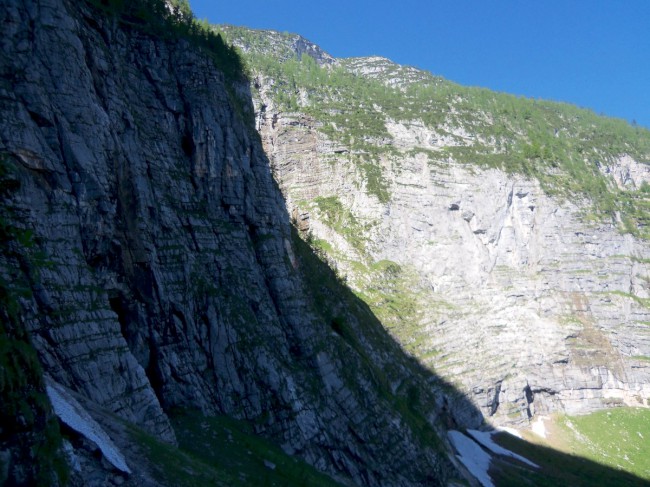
<point>485,439</point>
<point>475,459</point>
<point>538,426</point>
<point>70,412</point>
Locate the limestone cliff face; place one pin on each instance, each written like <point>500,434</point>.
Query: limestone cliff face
<point>172,277</point>
<point>518,298</point>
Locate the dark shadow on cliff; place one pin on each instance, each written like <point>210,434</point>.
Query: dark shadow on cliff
<point>419,392</point>
<point>423,395</point>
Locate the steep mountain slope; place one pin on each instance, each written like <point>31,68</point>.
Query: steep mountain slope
<point>503,241</point>
<point>169,277</point>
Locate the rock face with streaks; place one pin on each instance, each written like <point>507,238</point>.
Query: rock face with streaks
<point>519,298</point>
<point>169,276</point>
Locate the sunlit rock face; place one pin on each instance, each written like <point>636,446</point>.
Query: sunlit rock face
<point>523,300</point>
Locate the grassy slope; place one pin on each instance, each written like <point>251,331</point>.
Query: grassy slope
<point>608,448</point>
<point>221,451</point>
<point>617,437</point>
<point>556,469</point>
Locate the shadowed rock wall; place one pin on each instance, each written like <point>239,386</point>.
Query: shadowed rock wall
<point>170,276</point>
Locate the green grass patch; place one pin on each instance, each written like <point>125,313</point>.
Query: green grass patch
<point>173,466</point>
<point>617,437</point>
<point>339,218</point>
<point>238,455</point>
<point>556,468</point>
<point>645,302</point>
<point>221,451</point>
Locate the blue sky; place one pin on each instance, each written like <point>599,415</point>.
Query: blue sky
<point>595,54</point>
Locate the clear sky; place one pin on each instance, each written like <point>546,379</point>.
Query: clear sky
<point>593,53</point>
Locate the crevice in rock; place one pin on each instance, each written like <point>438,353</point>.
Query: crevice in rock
<point>129,320</point>
<point>187,144</point>
<point>39,119</point>
<point>530,397</point>
<point>495,400</point>
<point>118,305</point>
<point>155,376</point>
<point>510,195</point>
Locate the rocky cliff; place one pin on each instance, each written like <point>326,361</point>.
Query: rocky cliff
<point>503,241</point>
<point>168,277</point>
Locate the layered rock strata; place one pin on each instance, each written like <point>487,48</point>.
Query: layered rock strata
<point>169,275</point>
<point>522,300</point>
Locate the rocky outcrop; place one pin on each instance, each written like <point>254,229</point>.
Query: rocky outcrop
<point>628,173</point>
<point>283,45</point>
<point>518,298</point>
<point>169,275</point>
